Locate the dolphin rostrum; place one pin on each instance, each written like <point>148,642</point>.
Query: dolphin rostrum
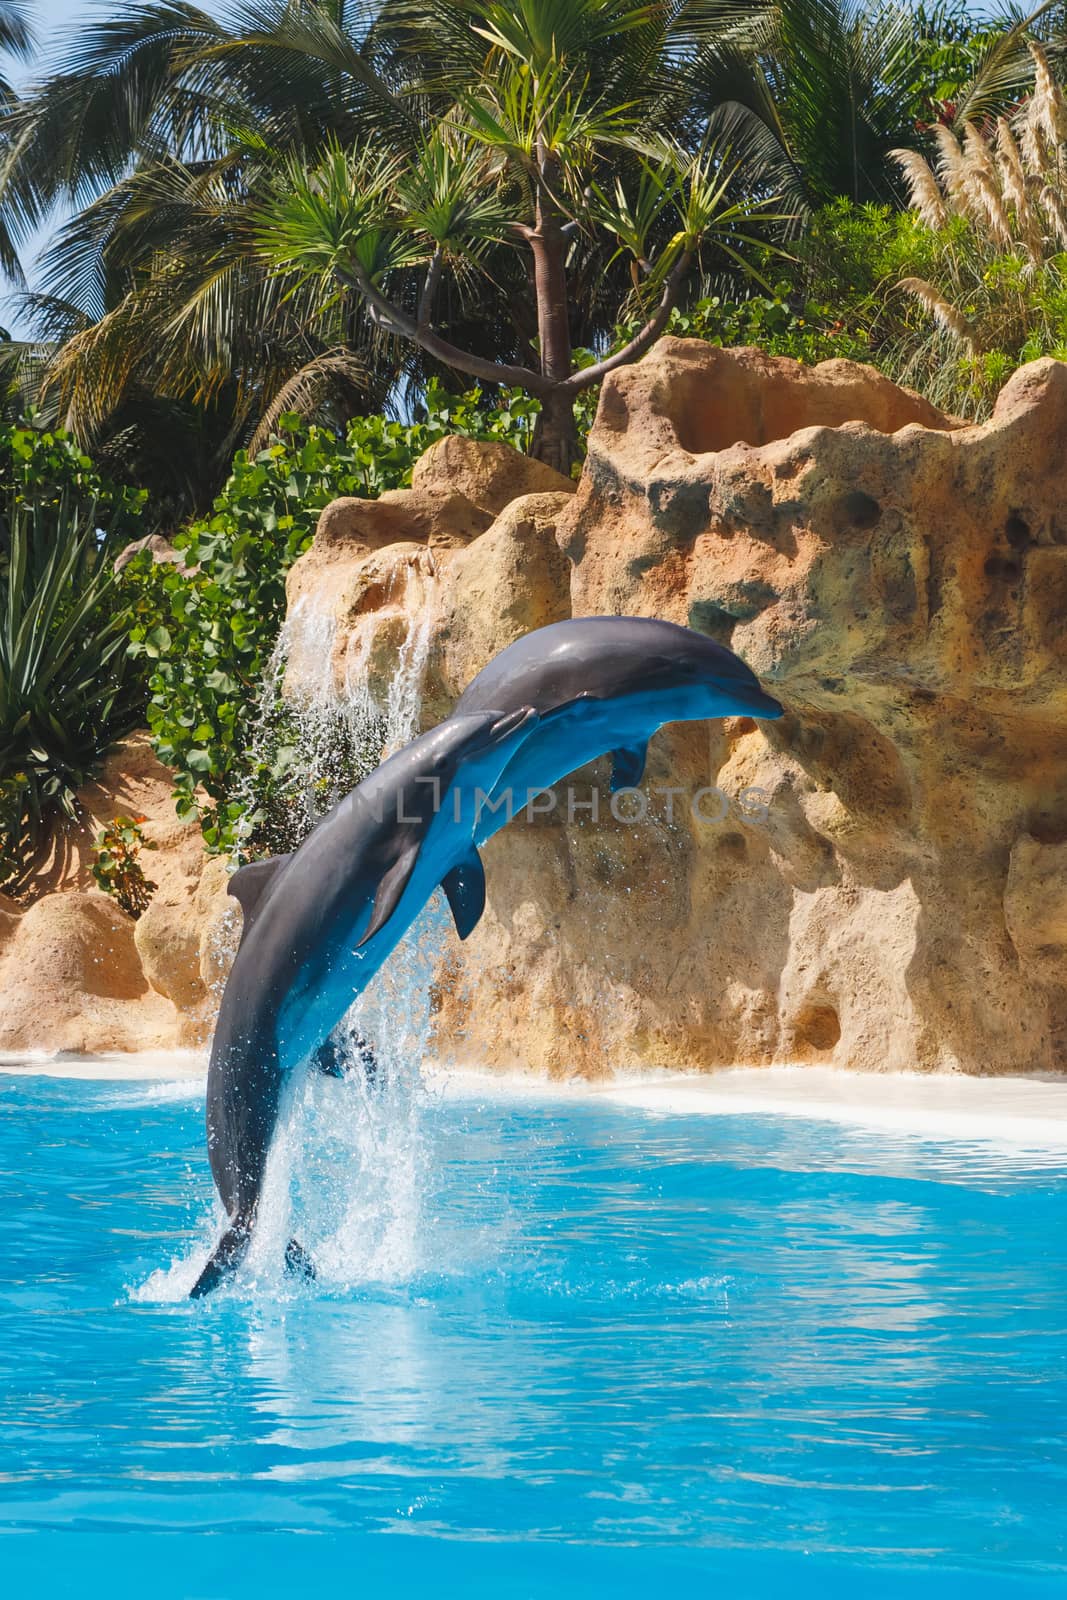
<point>317,926</point>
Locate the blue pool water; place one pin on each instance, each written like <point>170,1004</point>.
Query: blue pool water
<point>558,1348</point>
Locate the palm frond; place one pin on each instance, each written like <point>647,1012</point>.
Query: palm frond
<point>304,391</point>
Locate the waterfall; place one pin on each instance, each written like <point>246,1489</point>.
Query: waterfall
<point>394,718</point>
<point>320,724</point>
<point>403,706</point>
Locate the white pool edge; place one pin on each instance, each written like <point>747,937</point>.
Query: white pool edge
<point>1020,1111</point>
<point>1029,1112</point>
<point>116,1066</point>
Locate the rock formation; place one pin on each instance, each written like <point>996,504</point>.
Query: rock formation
<point>77,973</point>
<point>879,880</point>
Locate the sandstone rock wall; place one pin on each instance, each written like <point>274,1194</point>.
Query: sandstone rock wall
<point>877,881</point>
<point>894,895</point>
<point>77,973</point>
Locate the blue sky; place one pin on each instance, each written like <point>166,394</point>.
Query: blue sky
<point>54,18</point>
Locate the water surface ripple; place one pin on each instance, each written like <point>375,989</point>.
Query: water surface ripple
<point>621,1346</point>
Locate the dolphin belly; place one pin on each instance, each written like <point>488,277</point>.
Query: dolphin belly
<point>586,729</point>
<point>563,743</point>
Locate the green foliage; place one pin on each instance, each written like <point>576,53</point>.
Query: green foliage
<point>990,220</point>
<point>836,300</point>
<point>67,687</point>
<point>117,869</point>
<point>207,629</point>
<point>847,270</point>
<point>845,299</point>
<point>165,335</point>
<point>779,323</point>
<point>46,468</point>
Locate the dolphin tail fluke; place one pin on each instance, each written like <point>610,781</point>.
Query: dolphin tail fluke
<point>225,1259</point>
<point>230,1252</point>
<point>336,1053</point>
<point>329,1058</point>
<point>297,1260</point>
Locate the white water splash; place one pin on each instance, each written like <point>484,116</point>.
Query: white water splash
<point>322,721</point>
<point>351,1167</point>
<point>355,1165</point>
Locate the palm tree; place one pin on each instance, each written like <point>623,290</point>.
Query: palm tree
<point>524,153</point>
<point>167,127</point>
<point>16,39</point>
<point>167,336</point>
<point>837,85</point>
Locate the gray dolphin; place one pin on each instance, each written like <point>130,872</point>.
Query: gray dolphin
<point>318,924</point>
<point>599,685</point>
<point>549,703</point>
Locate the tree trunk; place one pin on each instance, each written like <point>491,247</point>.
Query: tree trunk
<point>555,439</point>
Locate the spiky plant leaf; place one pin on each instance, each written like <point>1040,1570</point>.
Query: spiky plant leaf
<point>67,688</point>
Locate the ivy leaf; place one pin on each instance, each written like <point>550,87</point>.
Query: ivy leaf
<point>157,642</point>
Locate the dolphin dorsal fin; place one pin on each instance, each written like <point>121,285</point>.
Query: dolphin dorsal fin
<point>249,884</point>
<point>465,888</point>
<point>628,766</point>
<point>390,891</point>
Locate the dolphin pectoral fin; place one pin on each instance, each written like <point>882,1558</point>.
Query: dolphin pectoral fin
<point>332,1058</point>
<point>249,884</point>
<point>628,767</point>
<point>464,887</point>
<point>390,892</point>
<point>298,1262</point>
<point>225,1259</point>
<point>328,1059</point>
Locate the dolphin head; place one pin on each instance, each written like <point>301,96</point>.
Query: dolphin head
<point>675,673</point>
<point>688,672</point>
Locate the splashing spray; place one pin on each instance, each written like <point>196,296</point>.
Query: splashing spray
<point>350,1166</point>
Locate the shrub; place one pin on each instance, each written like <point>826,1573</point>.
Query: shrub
<point>208,633</point>
<point>68,690</point>
<point>782,324</point>
<point>117,869</point>
<point>46,468</point>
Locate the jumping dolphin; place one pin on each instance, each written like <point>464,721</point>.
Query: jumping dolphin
<point>604,684</point>
<point>317,926</point>
<point>552,701</point>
